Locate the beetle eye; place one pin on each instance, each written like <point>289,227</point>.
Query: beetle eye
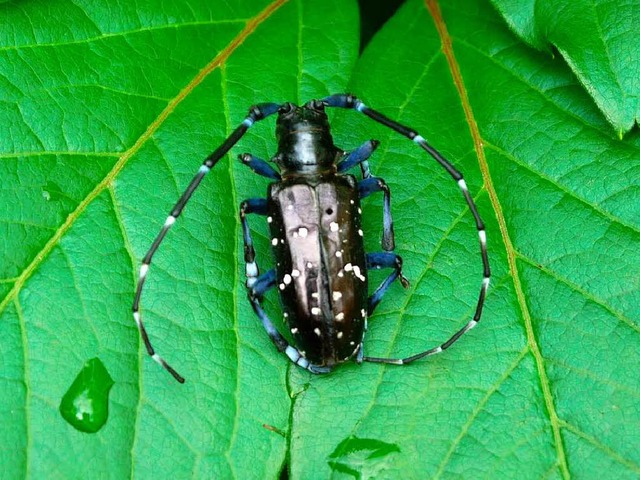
<point>317,105</point>
<point>286,108</point>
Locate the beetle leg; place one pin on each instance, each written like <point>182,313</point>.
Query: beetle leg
<point>252,205</point>
<point>374,184</point>
<point>359,157</point>
<point>259,166</point>
<point>385,260</point>
<point>262,285</point>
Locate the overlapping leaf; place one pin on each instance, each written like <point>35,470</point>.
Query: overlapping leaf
<point>600,41</point>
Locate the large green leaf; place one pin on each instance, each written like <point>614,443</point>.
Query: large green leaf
<point>599,39</point>
<point>547,385</point>
<point>107,111</point>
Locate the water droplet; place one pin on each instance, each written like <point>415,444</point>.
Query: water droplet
<point>53,192</point>
<point>361,457</point>
<point>86,404</point>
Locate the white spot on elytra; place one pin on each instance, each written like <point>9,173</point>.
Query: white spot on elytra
<point>337,295</point>
<point>338,254</point>
<point>360,232</point>
<point>287,279</point>
<point>363,312</point>
<point>359,210</point>
<point>285,315</point>
<point>295,273</point>
<point>340,274</point>
<point>351,202</point>
<point>282,285</point>
<point>333,226</point>
<point>340,316</point>
<point>289,207</point>
<point>274,241</point>
<point>348,267</point>
<point>315,311</point>
<point>356,272</point>
<point>294,330</point>
<point>269,219</point>
<point>309,265</point>
<point>317,331</point>
<point>315,294</point>
<point>303,231</point>
<point>339,335</point>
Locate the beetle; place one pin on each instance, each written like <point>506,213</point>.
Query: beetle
<point>314,214</point>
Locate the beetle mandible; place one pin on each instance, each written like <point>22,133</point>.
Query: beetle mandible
<point>313,211</point>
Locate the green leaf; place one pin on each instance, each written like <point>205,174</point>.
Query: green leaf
<point>547,385</point>
<point>600,41</point>
<point>107,112</point>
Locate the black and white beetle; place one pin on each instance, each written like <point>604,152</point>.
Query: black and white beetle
<point>314,214</point>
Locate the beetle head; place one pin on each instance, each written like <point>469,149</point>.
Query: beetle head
<point>304,137</point>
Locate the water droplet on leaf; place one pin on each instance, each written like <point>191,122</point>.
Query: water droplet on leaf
<point>86,404</point>
<point>361,457</point>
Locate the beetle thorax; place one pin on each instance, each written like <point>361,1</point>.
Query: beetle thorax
<point>305,145</point>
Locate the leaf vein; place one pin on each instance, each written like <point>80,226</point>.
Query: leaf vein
<point>447,47</point>
<point>478,409</point>
<point>593,441</point>
<point>123,34</point>
<point>565,190</point>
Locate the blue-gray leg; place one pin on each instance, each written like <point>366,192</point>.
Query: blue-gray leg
<point>359,157</point>
<point>252,205</point>
<point>259,287</point>
<point>381,260</point>
<point>385,260</point>
<point>259,166</point>
<point>374,184</point>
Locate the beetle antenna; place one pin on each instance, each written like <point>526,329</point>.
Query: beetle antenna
<point>256,113</point>
<point>353,102</point>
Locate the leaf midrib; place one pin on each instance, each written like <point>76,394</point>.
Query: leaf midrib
<point>447,48</point>
<point>126,156</point>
